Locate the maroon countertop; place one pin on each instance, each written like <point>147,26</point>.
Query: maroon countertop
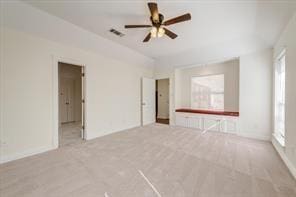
<point>199,111</point>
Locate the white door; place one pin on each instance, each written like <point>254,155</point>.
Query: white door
<point>83,134</point>
<point>62,102</point>
<point>148,101</point>
<point>67,100</point>
<point>70,89</point>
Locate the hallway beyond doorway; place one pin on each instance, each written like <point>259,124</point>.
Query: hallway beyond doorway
<point>71,103</point>
<point>163,121</point>
<point>162,103</point>
<point>70,133</point>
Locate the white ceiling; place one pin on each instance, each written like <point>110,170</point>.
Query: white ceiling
<point>214,23</point>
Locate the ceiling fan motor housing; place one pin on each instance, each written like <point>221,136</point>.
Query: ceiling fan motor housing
<point>157,23</point>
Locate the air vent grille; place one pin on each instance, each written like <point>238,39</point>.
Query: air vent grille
<point>117,33</point>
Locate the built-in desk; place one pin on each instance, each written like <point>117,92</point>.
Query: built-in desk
<point>223,121</point>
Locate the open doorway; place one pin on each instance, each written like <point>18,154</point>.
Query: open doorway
<point>71,104</point>
<point>162,101</point>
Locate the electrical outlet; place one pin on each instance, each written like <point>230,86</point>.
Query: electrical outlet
<point>3,143</point>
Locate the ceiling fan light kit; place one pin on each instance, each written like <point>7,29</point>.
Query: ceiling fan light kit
<point>157,27</point>
<point>157,32</point>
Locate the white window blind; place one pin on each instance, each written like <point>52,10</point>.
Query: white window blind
<point>279,82</point>
<point>207,92</point>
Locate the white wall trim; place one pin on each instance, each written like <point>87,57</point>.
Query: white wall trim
<point>24,154</point>
<point>55,74</point>
<point>282,154</point>
<point>90,137</point>
<point>254,136</point>
<point>40,150</point>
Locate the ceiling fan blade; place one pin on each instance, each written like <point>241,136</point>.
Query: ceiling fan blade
<point>178,19</point>
<point>147,38</point>
<point>137,26</point>
<point>154,11</point>
<point>170,34</point>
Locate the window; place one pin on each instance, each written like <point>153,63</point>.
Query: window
<point>207,92</point>
<point>279,90</point>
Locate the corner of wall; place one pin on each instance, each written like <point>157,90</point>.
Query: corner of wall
<point>254,135</point>
<point>281,151</point>
<point>94,135</point>
<point>27,153</point>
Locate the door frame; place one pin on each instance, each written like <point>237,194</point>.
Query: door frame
<point>171,98</point>
<point>55,101</point>
<point>169,95</point>
<point>142,104</point>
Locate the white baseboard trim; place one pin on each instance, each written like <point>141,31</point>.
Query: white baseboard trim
<point>20,155</point>
<point>24,154</point>
<point>90,137</point>
<point>282,154</point>
<point>254,136</point>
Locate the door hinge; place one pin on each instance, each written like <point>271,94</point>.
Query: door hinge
<point>82,101</point>
<point>82,74</point>
<point>83,127</point>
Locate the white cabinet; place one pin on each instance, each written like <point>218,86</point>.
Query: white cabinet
<point>222,123</point>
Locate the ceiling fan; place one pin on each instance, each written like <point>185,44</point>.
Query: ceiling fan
<point>157,27</point>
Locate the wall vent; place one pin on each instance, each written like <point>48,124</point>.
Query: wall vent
<point>117,33</point>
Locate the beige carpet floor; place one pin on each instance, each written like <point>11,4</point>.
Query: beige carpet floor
<point>70,133</point>
<point>155,160</point>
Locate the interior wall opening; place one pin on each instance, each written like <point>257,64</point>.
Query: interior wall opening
<point>162,103</point>
<point>71,101</point>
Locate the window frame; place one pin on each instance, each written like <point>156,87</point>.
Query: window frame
<point>279,134</point>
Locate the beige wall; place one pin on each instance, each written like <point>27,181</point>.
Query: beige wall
<point>163,98</point>
<point>288,41</point>
<point>230,69</point>
<point>30,49</point>
<point>27,73</point>
<point>256,95</point>
<point>255,87</point>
